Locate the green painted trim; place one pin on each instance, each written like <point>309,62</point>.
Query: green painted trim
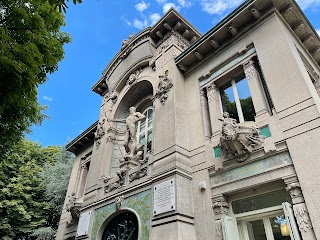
<point>265,131</point>
<point>216,152</point>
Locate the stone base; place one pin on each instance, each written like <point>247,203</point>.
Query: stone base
<point>173,231</point>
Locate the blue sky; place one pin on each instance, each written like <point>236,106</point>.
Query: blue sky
<point>98,28</point>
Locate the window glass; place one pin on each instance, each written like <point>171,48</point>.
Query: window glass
<point>145,130</point>
<point>280,228</point>
<point>228,102</point>
<point>239,91</point>
<point>245,100</point>
<point>256,230</point>
<point>261,201</point>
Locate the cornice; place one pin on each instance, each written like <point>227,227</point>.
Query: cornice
<point>247,15</point>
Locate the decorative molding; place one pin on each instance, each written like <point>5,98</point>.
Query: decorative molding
<point>119,202</point>
<point>133,77</point>
<point>294,189</point>
<point>74,208</point>
<point>100,132</point>
<point>212,92</point>
<point>250,70</point>
<point>163,87</point>
<point>218,226</point>
<point>220,205</point>
<point>302,217</point>
<point>238,140</point>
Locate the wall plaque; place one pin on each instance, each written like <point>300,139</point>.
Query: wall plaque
<point>164,199</point>
<point>83,226</point>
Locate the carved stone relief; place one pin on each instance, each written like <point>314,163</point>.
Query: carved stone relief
<point>133,77</point>
<point>134,156</point>
<point>212,92</point>
<point>220,205</point>
<point>74,208</point>
<point>203,98</point>
<point>164,86</point>
<point>119,202</point>
<point>294,189</point>
<point>99,133</point>
<point>126,42</point>
<point>302,217</point>
<point>238,140</point>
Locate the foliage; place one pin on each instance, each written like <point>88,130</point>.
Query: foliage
<point>246,106</point>
<point>44,233</point>
<point>31,194</point>
<point>31,45</point>
<point>22,197</point>
<point>62,4</point>
<point>56,179</point>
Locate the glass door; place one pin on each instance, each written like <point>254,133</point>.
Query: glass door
<point>272,227</point>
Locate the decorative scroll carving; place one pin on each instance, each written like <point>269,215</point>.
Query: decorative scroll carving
<point>294,189</point>
<point>220,205</point>
<point>134,76</point>
<point>238,140</point>
<point>163,87</point>
<point>74,208</point>
<point>119,202</point>
<point>212,92</point>
<point>250,70</point>
<point>302,217</point>
<point>99,133</point>
<point>142,172</point>
<point>218,225</point>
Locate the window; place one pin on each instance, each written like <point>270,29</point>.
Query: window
<point>236,99</point>
<point>144,133</point>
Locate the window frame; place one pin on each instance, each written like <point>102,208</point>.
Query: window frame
<point>146,130</point>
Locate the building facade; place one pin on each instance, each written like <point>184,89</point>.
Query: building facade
<point>212,136</point>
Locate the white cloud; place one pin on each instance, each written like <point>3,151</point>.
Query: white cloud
<point>318,31</point>
<point>169,5</point>
<point>185,3</point>
<point>142,6</point>
<point>304,4</point>
<point>126,21</point>
<point>140,24</point>
<point>161,1</point>
<point>154,18</point>
<point>46,98</point>
<point>219,6</point>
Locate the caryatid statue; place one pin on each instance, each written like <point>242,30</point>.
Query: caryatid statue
<point>130,139</point>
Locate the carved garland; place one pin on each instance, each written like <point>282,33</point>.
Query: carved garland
<point>163,87</point>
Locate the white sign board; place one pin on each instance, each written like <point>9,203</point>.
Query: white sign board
<point>164,199</point>
<point>83,225</point>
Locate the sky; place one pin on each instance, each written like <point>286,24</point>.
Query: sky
<point>97,28</point>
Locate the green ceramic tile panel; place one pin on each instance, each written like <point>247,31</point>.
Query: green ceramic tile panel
<point>140,202</point>
<point>217,152</point>
<point>265,131</point>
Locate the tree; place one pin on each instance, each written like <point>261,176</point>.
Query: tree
<point>61,4</point>
<point>56,179</point>
<point>23,202</point>
<point>31,45</point>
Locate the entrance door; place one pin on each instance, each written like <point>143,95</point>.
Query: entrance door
<point>264,227</point>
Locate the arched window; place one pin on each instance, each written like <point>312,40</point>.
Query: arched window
<point>144,133</point>
<point>122,227</point>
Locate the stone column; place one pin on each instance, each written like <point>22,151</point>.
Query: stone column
<point>299,208</point>
<point>220,206</point>
<point>257,93</point>
<point>214,108</point>
<point>82,180</point>
<point>205,114</point>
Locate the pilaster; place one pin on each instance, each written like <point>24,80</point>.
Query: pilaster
<point>299,208</point>
<point>214,109</point>
<point>220,207</point>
